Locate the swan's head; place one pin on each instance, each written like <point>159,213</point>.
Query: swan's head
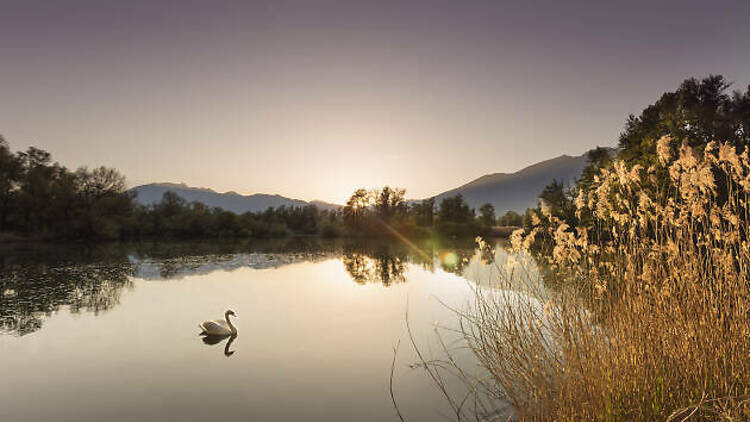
<point>230,312</point>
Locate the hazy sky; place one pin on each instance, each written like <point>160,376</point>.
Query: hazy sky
<point>314,99</point>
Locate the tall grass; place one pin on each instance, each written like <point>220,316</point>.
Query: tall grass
<point>647,316</point>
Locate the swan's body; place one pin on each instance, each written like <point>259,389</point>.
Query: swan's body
<point>219,327</point>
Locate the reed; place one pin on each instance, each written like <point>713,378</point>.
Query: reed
<point>647,314</point>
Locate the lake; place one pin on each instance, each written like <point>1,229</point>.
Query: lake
<point>110,331</point>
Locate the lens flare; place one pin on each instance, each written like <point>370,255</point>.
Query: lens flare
<point>449,259</point>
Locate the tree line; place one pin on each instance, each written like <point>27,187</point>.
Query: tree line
<point>698,112</point>
<point>39,198</point>
<point>42,199</point>
<point>386,211</point>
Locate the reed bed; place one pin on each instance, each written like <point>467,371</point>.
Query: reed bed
<point>646,313</point>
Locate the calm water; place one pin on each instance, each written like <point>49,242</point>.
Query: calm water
<point>109,332</point>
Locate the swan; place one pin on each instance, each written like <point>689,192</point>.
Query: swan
<point>219,327</point>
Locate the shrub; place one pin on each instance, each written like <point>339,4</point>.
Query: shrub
<point>330,230</point>
<point>649,323</point>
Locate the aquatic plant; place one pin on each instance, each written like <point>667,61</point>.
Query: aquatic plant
<point>647,313</point>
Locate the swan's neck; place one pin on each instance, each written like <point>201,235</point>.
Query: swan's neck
<point>229,323</point>
<point>228,352</point>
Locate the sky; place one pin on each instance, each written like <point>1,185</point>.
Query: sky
<point>313,99</point>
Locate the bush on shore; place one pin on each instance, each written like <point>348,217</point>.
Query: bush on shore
<point>649,323</point>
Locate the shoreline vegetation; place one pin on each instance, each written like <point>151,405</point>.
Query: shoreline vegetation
<point>40,200</point>
<point>645,314</point>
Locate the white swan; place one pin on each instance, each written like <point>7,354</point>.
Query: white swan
<point>219,327</point>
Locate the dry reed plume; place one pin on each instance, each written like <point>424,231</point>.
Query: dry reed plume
<point>647,315</point>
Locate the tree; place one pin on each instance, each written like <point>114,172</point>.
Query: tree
<point>698,111</point>
<point>454,209</point>
<point>424,212</point>
<point>100,182</point>
<point>36,199</point>
<point>389,202</point>
<point>511,218</point>
<point>559,201</point>
<point>596,159</point>
<point>487,217</point>
<point>10,175</point>
<point>356,207</point>
<point>171,204</point>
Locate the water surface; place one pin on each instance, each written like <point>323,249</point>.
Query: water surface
<point>109,332</point>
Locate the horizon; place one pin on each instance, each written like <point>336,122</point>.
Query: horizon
<point>402,209</point>
<point>182,184</point>
<point>316,100</point>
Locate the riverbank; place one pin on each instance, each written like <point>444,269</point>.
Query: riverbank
<point>495,232</point>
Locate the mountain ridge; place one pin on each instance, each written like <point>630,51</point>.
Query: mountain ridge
<point>152,193</point>
<point>515,191</point>
<point>519,190</point>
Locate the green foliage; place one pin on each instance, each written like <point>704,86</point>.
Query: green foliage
<point>596,159</point>
<point>424,212</point>
<point>173,217</point>
<point>456,218</point>
<point>356,208</point>
<point>10,175</point>
<point>330,230</point>
<point>455,210</point>
<point>42,199</point>
<point>379,213</point>
<point>559,200</point>
<point>487,215</point>
<point>511,218</point>
<point>699,111</point>
<point>389,203</point>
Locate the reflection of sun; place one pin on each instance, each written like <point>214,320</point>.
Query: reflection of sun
<point>449,259</point>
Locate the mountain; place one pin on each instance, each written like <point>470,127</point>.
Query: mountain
<point>505,191</point>
<point>230,201</point>
<point>520,190</point>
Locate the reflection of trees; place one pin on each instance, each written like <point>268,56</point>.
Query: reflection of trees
<point>375,263</point>
<point>390,269</point>
<point>359,266</point>
<point>385,269</point>
<point>386,262</point>
<point>38,280</point>
<point>29,293</point>
<point>455,260</point>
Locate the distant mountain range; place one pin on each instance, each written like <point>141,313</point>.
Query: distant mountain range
<point>505,191</point>
<point>230,201</point>
<point>520,190</point>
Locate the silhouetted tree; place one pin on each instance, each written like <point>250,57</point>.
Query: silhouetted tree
<point>456,218</point>
<point>424,212</point>
<point>10,175</point>
<point>699,111</point>
<point>596,159</point>
<point>356,207</point>
<point>559,200</point>
<point>511,218</point>
<point>487,215</point>
<point>454,209</point>
<point>389,202</point>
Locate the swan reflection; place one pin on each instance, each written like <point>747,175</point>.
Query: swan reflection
<point>212,340</point>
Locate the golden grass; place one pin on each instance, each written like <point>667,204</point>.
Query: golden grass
<point>647,316</point>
